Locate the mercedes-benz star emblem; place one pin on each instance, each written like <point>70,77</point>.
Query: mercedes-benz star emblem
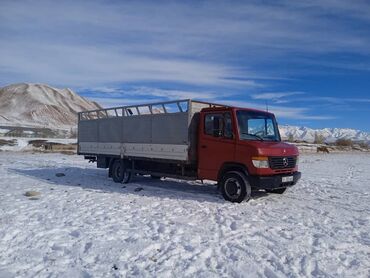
<point>285,162</point>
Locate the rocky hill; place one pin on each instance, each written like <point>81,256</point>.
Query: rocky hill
<point>40,106</point>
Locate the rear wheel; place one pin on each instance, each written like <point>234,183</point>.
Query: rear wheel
<point>119,173</point>
<point>276,191</point>
<point>235,187</point>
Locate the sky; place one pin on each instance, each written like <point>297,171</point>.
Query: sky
<point>307,61</point>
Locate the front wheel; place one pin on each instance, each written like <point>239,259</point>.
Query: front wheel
<point>119,173</point>
<point>235,187</point>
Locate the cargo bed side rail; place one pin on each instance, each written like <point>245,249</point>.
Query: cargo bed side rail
<point>176,106</point>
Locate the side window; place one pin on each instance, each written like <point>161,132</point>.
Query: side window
<point>218,125</point>
<point>214,124</point>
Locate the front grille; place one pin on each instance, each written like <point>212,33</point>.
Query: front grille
<point>282,162</point>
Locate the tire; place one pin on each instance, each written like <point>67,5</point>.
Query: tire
<point>276,191</point>
<point>155,177</point>
<point>118,175</point>
<point>127,177</point>
<point>235,187</point>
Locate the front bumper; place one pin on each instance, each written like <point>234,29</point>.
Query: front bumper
<point>273,182</point>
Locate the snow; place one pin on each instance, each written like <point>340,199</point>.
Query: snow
<point>312,148</point>
<point>41,106</point>
<point>84,225</point>
<point>329,134</point>
<point>19,145</point>
<point>22,143</point>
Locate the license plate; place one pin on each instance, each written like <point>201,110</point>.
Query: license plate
<point>287,179</point>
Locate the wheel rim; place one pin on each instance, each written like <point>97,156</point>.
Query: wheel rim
<point>233,188</point>
<point>118,171</point>
<point>126,175</point>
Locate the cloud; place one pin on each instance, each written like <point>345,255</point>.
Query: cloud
<point>275,96</point>
<point>330,100</point>
<point>108,96</point>
<point>195,43</point>
<point>107,102</point>
<point>86,65</point>
<point>282,112</point>
<point>300,97</point>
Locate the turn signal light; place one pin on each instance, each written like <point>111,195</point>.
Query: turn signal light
<point>260,161</point>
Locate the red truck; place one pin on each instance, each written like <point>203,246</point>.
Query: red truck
<point>239,148</point>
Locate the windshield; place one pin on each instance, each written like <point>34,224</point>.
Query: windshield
<point>254,125</point>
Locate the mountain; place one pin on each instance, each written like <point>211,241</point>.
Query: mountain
<point>41,106</point>
<point>329,134</point>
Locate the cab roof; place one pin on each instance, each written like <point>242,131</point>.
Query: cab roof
<point>233,108</point>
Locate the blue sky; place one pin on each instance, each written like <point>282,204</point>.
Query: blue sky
<point>309,60</point>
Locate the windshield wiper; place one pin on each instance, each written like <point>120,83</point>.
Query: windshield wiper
<point>254,135</point>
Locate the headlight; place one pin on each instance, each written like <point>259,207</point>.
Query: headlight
<point>297,160</point>
<point>260,162</point>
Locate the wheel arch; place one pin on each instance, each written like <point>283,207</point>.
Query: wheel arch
<point>232,166</point>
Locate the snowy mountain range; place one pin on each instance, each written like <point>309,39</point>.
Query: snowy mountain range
<point>328,134</point>
<point>41,106</point>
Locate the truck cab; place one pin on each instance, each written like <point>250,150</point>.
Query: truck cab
<point>242,150</point>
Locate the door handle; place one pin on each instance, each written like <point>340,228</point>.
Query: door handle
<point>203,146</point>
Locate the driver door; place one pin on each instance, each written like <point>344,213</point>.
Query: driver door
<point>216,143</point>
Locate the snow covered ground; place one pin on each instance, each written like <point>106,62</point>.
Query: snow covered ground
<point>22,144</point>
<point>84,225</point>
